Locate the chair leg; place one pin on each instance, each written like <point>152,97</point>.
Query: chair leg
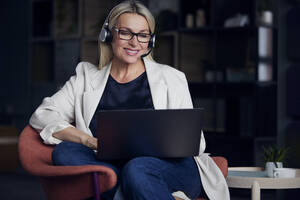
<point>96,186</point>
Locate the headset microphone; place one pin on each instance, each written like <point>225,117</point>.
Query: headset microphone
<point>151,45</point>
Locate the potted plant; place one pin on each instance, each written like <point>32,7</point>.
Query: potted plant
<point>274,156</point>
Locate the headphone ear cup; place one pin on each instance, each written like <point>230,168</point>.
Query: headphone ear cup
<point>105,35</point>
<point>109,36</point>
<point>151,43</point>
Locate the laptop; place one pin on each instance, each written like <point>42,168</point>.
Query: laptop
<point>125,134</point>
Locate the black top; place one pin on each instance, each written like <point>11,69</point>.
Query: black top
<point>120,96</point>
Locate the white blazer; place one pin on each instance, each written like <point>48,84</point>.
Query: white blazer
<point>77,101</point>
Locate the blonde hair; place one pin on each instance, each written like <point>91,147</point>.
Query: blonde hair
<point>105,49</point>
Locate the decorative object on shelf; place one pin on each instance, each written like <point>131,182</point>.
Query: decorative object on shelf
<point>265,72</point>
<point>200,18</point>
<point>265,46</point>
<point>235,74</point>
<point>189,21</point>
<point>209,76</point>
<point>265,14</point>
<point>274,157</point>
<point>238,20</point>
<point>265,42</point>
<point>266,17</point>
<point>214,76</point>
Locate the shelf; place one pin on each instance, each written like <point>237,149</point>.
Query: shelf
<point>197,30</point>
<point>244,28</point>
<point>68,37</point>
<point>168,33</point>
<point>90,39</point>
<point>266,83</point>
<point>41,39</point>
<point>211,134</point>
<point>226,90</point>
<point>267,26</point>
<point>220,90</point>
<point>232,84</point>
<point>33,1</point>
<point>219,29</point>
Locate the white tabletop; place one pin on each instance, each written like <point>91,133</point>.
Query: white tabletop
<point>244,177</point>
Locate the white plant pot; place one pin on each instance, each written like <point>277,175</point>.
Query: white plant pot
<point>270,166</point>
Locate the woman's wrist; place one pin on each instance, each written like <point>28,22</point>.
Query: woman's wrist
<point>74,135</point>
<point>89,141</point>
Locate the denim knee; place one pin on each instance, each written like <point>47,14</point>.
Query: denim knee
<point>69,153</point>
<point>135,173</point>
<point>58,154</point>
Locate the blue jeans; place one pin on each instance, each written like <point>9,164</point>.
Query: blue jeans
<point>141,177</point>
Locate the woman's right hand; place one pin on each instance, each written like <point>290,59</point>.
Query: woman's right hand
<point>90,142</point>
<point>74,135</point>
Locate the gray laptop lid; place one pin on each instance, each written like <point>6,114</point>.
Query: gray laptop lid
<point>124,134</point>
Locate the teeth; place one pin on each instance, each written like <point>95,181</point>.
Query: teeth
<point>131,51</point>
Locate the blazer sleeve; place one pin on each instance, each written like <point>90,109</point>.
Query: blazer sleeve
<point>57,112</point>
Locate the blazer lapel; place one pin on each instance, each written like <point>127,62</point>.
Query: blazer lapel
<point>91,98</point>
<point>158,88</point>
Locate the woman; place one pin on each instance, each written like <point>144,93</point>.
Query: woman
<point>127,78</point>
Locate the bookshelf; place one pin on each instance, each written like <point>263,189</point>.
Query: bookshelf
<point>232,72</point>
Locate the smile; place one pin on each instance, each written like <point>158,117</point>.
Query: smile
<point>131,52</point>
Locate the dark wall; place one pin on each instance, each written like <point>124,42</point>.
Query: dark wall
<point>288,120</point>
<point>14,76</point>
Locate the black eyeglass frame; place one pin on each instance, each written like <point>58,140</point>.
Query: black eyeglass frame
<point>132,35</point>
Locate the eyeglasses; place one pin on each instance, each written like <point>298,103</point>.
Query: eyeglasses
<point>128,35</point>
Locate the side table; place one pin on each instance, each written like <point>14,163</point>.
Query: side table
<point>255,178</point>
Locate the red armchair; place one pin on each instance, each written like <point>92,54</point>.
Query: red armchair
<point>62,182</point>
<point>69,182</point>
